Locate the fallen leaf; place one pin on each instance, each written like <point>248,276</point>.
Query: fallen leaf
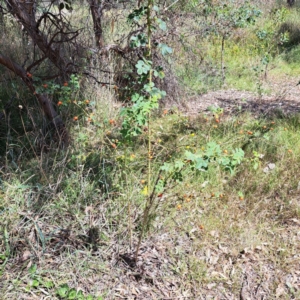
<point>271,166</point>
<point>211,285</point>
<point>295,221</point>
<point>26,254</point>
<point>214,233</point>
<point>280,290</point>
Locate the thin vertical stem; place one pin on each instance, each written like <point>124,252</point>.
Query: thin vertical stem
<point>222,59</point>
<point>148,202</point>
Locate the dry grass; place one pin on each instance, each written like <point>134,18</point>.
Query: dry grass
<point>213,245</point>
<point>70,219</point>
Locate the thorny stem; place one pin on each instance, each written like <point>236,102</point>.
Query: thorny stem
<point>149,196</point>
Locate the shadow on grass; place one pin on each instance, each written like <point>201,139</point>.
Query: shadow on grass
<point>265,108</point>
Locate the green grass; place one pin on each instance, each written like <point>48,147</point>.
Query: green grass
<point>198,63</point>
<point>205,205</point>
<point>70,218</point>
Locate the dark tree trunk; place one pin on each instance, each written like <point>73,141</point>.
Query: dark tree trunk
<point>50,46</point>
<point>24,14</point>
<point>43,99</point>
<point>290,2</point>
<point>97,12</point>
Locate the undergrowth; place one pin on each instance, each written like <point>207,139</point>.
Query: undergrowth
<point>75,222</point>
<point>251,54</point>
<point>95,185</point>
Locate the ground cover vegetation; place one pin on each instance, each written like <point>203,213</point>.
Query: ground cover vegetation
<point>119,179</point>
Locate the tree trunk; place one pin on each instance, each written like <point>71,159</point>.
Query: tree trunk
<point>97,11</point>
<point>290,2</point>
<point>22,12</point>
<point>43,99</point>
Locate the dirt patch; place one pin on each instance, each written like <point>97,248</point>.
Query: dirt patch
<point>284,97</point>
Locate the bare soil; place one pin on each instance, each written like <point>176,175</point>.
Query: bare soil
<point>283,96</point>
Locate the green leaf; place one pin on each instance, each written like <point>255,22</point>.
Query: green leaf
<point>137,14</point>
<point>160,186</point>
<point>138,41</point>
<point>32,269</point>
<point>35,283</point>
<point>238,155</point>
<point>190,156</point>
<point>48,284</point>
<point>143,67</point>
<point>148,87</point>
<point>168,167</point>
<point>179,164</point>
<point>201,164</point>
<point>224,161</point>
<point>165,49</point>
<point>159,73</point>
<point>161,24</point>
<point>213,149</point>
<point>177,176</point>
<point>157,93</point>
<point>72,294</point>
<point>63,290</point>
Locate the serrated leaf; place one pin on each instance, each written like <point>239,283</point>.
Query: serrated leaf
<point>137,14</point>
<point>224,161</point>
<point>142,67</point>
<point>179,164</point>
<point>238,155</point>
<point>167,167</point>
<point>177,176</point>
<point>200,163</point>
<point>190,156</point>
<point>213,149</point>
